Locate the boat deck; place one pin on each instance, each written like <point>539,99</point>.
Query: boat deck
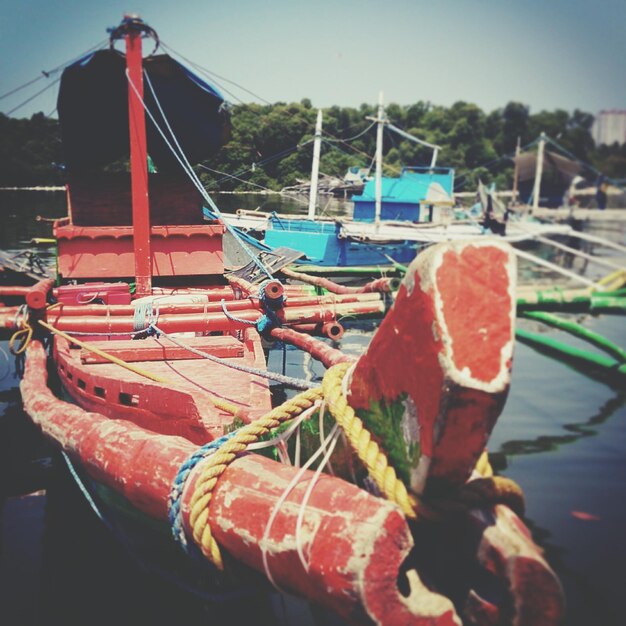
<point>185,395</point>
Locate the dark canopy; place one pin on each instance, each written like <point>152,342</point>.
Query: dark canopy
<point>527,164</point>
<point>93,111</point>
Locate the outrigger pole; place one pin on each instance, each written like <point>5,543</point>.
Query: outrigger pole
<point>315,169</point>
<point>379,159</point>
<point>539,171</point>
<point>133,28</point>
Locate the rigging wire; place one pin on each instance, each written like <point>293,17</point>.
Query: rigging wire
<point>47,74</point>
<point>188,169</point>
<point>25,102</point>
<point>226,176</point>
<point>212,75</point>
<point>262,162</point>
<point>351,138</point>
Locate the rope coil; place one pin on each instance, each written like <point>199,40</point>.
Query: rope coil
<point>24,334</point>
<point>488,489</point>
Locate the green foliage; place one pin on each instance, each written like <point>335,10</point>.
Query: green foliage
<point>384,421</point>
<point>29,150</point>
<point>270,145</point>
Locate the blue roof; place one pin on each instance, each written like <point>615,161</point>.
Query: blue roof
<point>412,185</point>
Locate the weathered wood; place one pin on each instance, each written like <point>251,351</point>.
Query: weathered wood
<point>435,376</point>
<point>154,349</point>
<point>355,543</point>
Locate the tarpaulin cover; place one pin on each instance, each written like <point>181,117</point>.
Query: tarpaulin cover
<point>527,165</point>
<point>93,111</point>
<point>414,185</point>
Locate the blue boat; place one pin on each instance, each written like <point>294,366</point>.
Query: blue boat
<point>415,196</point>
<point>412,197</point>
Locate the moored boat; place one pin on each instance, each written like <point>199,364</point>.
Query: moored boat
<point>392,219</point>
<point>170,394</point>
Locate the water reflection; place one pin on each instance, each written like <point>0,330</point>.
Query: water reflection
<point>551,443</point>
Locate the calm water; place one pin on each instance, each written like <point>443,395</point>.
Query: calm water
<point>562,437</point>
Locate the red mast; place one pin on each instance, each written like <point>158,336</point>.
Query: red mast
<point>138,156</point>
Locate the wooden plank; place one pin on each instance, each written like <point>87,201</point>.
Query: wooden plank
<point>153,349</point>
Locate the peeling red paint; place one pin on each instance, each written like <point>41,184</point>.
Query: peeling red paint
<point>455,412</point>
<point>473,307</point>
<point>508,551</point>
<point>343,526</point>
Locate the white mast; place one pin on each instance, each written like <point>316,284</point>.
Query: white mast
<point>315,169</point>
<point>516,172</point>
<point>539,170</point>
<point>379,159</point>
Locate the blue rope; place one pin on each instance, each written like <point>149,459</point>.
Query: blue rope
<point>174,509</point>
<point>270,318</point>
<point>232,317</point>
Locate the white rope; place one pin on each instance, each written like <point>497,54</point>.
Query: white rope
<point>330,441</point>
<point>599,240</point>
<point>192,175</point>
<point>194,178</point>
<point>558,269</point>
<point>329,444</point>
<point>188,169</point>
<point>7,363</point>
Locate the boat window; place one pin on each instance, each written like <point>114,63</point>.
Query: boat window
<point>99,391</point>
<point>81,384</point>
<point>128,399</point>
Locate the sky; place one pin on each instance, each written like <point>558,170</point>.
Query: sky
<point>548,54</point>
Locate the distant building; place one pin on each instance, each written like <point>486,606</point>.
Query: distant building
<point>609,127</point>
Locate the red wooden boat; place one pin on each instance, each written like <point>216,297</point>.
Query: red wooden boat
<point>169,396</point>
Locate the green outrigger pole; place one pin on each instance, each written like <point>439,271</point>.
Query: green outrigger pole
<point>582,359</point>
<point>610,298</point>
<point>579,331</point>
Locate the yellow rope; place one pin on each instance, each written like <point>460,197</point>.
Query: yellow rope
<point>483,467</point>
<point>488,489</point>
<point>374,459</point>
<point>613,281</point>
<point>367,450</point>
<point>223,405</point>
<point>219,461</point>
<point>24,335</point>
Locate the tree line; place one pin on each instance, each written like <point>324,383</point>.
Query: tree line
<point>270,145</point>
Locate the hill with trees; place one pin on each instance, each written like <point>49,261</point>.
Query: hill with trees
<point>270,144</point>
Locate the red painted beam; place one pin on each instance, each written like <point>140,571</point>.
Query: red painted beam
<point>318,349</point>
<point>211,321</point>
<point>507,550</point>
<point>226,293</point>
<point>212,306</point>
<point>37,295</point>
<point>14,292</point>
<point>354,542</point>
<point>138,163</point>
<point>8,317</point>
<point>379,285</point>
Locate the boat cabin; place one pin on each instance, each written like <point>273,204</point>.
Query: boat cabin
<point>96,239</point>
<point>412,197</point>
